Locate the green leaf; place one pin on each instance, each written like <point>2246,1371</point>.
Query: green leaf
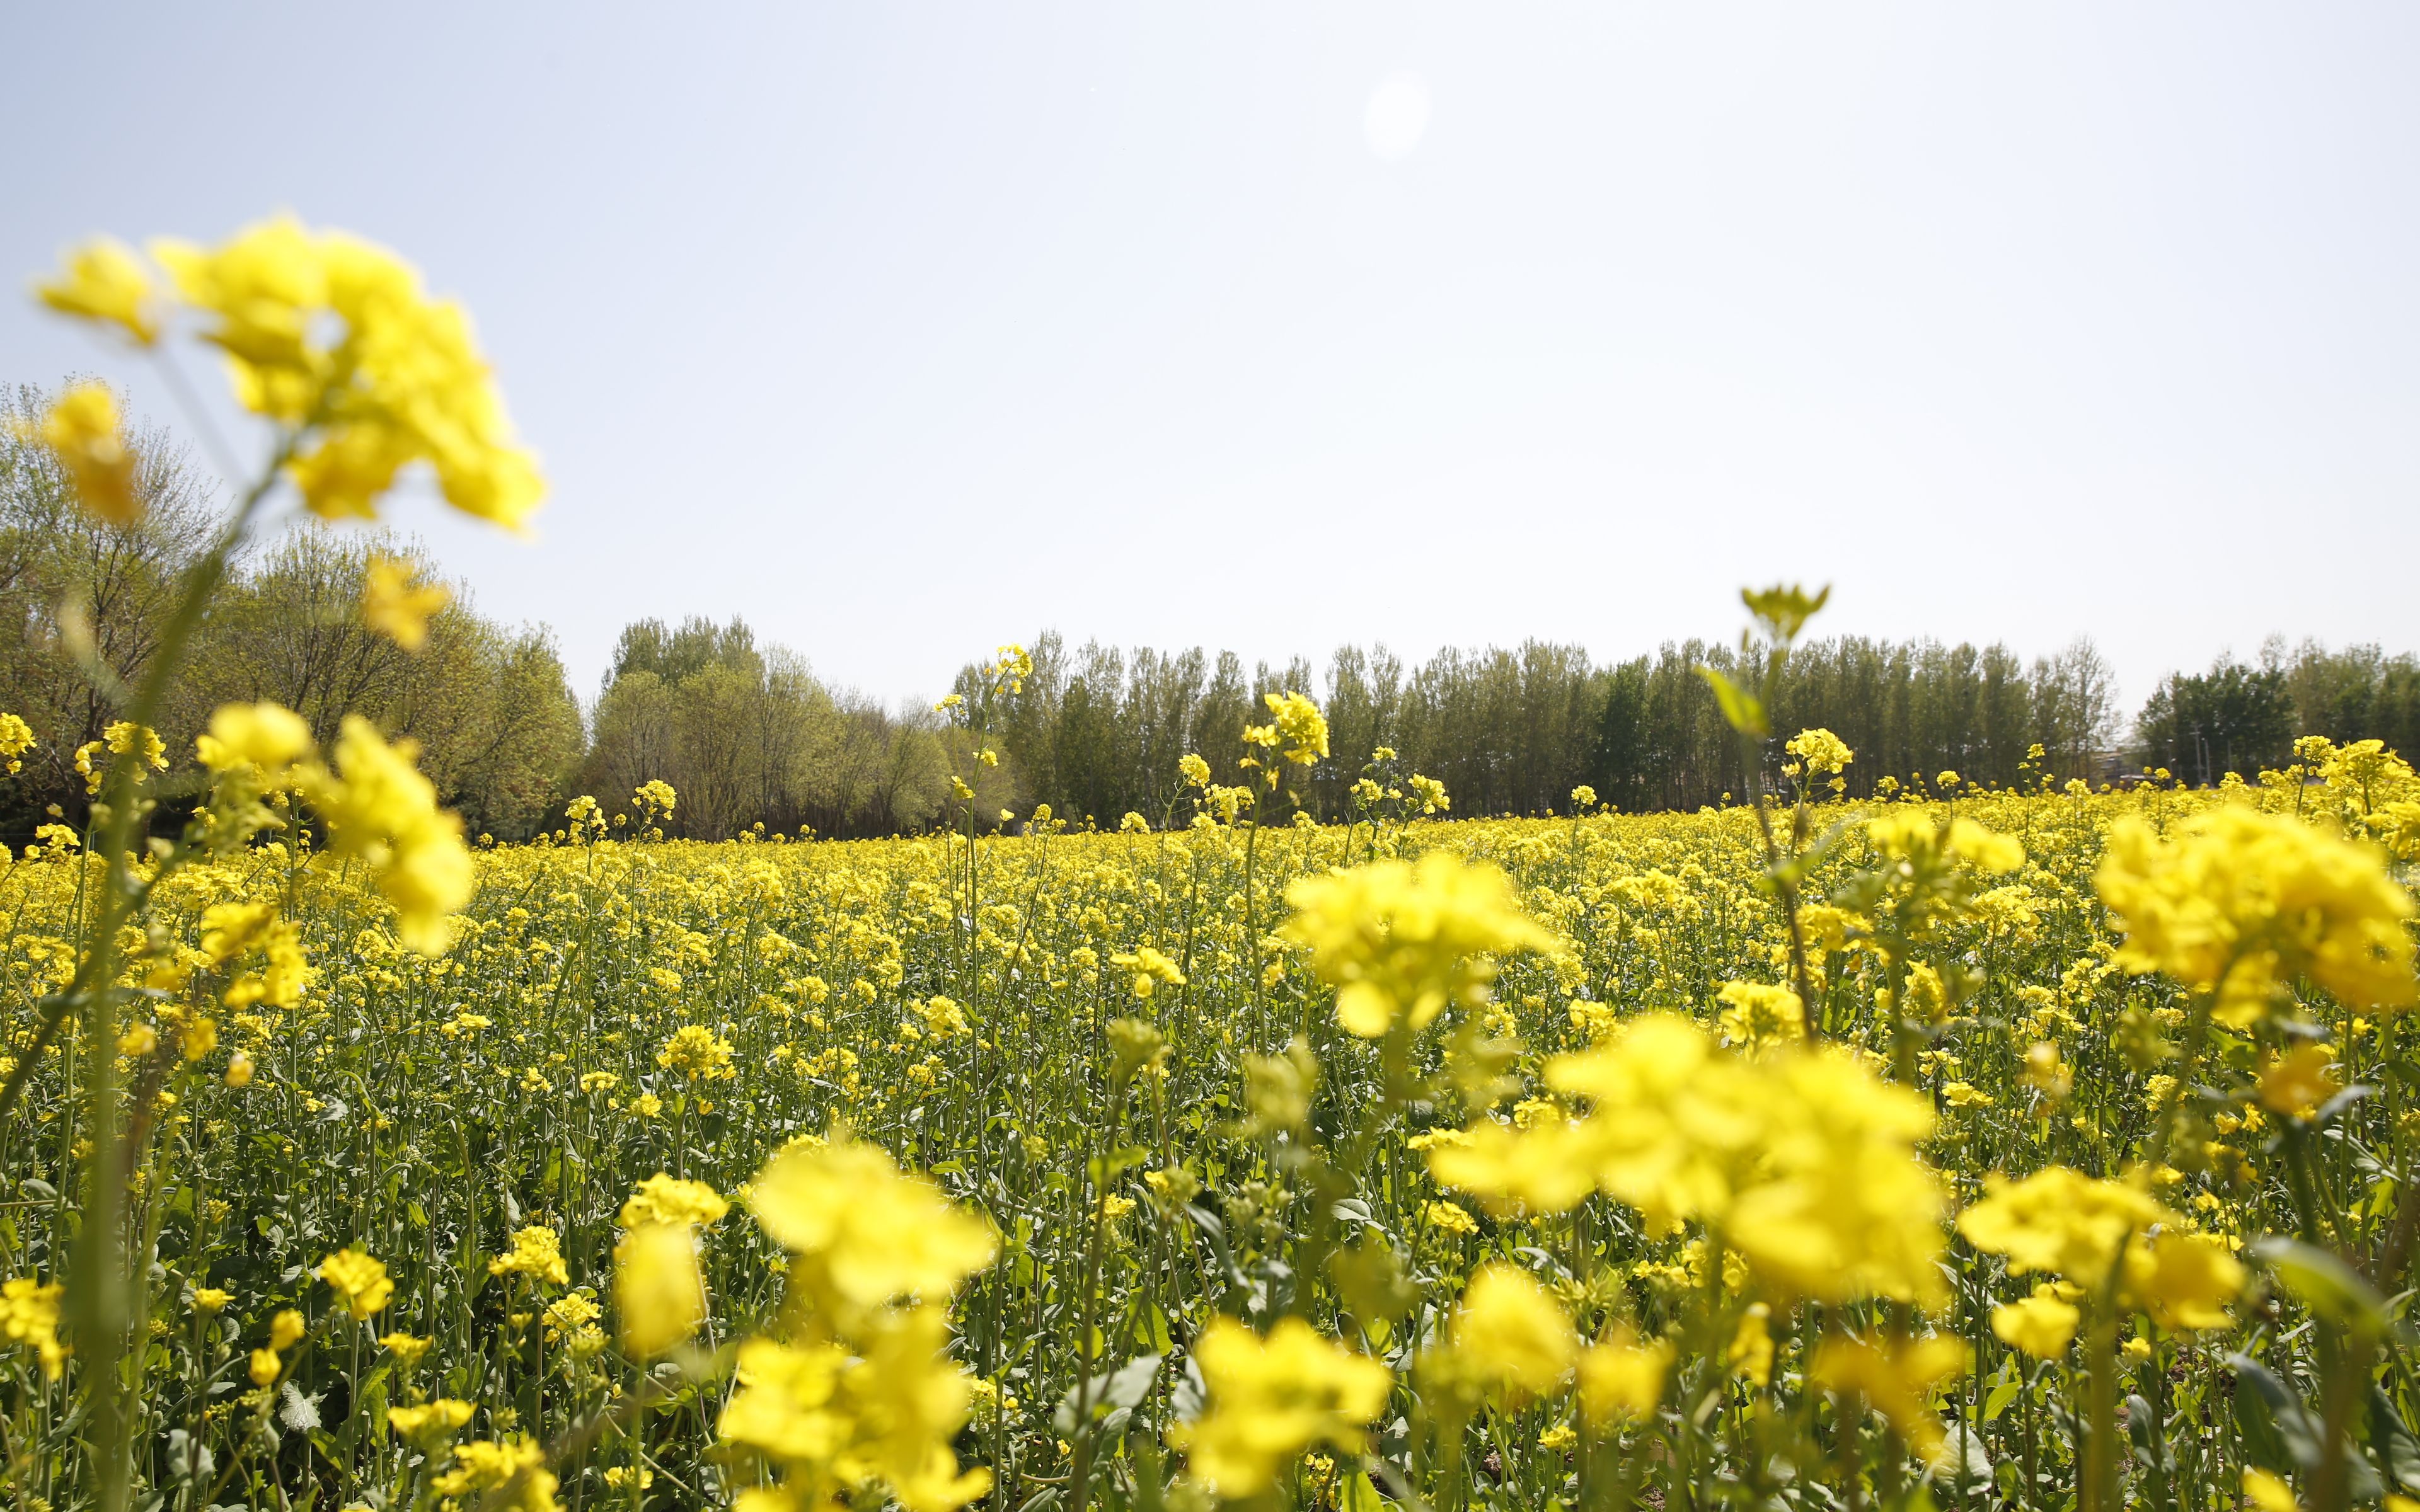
<point>2002,1395</point>
<point>2278,1433</point>
<point>1360,1496</point>
<point>2324,1284</point>
<point>1783,610</point>
<point>2399,1452</point>
<point>1107,1168</point>
<point>1130,1383</point>
<point>1742,710</point>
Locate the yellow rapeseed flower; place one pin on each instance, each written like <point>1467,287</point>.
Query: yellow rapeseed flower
<point>401,382</point>
<point>489,1466</point>
<point>2060,1219</point>
<point>1508,1335</point>
<point>1272,1398</point>
<point>860,1233</point>
<point>407,1348</point>
<point>1761,1013</point>
<point>431,1423</point>
<point>2183,1280</point>
<point>358,1281</point>
<point>2271,1493</point>
<point>2297,1083</point>
<point>1402,942</point>
<point>1298,719</point>
<point>1822,751</point>
<point>536,1253</point>
<point>669,1199</point>
<point>381,808</point>
<point>395,607</point>
<point>697,1052</point>
<point>2241,901</point>
<point>265,736</point>
<point>104,282</point>
<point>29,1318</point>
<point>1623,1380</point>
<point>658,1296</point>
<point>1150,967</point>
<point>2041,1325</point>
<point>82,430</point>
<point>1805,1159</point>
<point>1897,1378</point>
<point>16,738</point>
<point>836,1419</point>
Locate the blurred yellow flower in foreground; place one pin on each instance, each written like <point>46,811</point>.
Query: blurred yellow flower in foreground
<point>1272,1398</point>
<point>29,1316</point>
<point>2298,1082</point>
<point>1623,1380</point>
<point>266,735</point>
<point>103,280</point>
<point>397,609</point>
<point>333,336</point>
<point>1896,1376</point>
<point>861,1233</point>
<point>82,430</point>
<point>657,1294</point>
<point>1508,1335</point>
<point>381,808</point>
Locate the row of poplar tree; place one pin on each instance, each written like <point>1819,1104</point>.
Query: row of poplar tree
<point>1096,731</point>
<point>749,736</point>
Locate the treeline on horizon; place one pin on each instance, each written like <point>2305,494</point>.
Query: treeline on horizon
<point>749,736</point>
<point>1095,731</point>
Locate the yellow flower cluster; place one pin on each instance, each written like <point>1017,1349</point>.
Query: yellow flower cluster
<point>1151,969</point>
<point>29,1318</point>
<point>669,1199</point>
<point>1272,1398</point>
<point>378,807</point>
<point>359,1282</point>
<point>2079,1226</point>
<point>16,738</point>
<point>697,1052</point>
<point>2241,902</point>
<point>1804,1161</point>
<point>82,430</point>
<point>395,607</point>
<point>1402,941</point>
<point>1821,752</point>
<point>856,1389</point>
<point>537,1254</point>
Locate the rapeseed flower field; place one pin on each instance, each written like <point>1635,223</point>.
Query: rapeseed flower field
<point>2038,1147</point>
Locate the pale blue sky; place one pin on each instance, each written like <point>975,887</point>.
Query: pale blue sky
<point>902,329</point>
